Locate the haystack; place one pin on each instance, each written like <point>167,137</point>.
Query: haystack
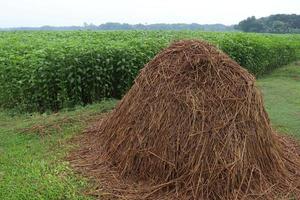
<point>193,126</point>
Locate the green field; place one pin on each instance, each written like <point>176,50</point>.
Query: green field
<point>42,71</point>
<point>33,146</point>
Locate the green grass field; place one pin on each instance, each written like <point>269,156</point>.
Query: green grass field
<point>33,147</point>
<point>281,91</point>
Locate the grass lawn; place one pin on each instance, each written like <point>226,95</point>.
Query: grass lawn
<point>32,147</point>
<point>281,91</point>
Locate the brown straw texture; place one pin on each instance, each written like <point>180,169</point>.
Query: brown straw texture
<point>192,127</point>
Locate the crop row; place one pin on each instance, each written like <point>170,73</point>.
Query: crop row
<point>42,71</point>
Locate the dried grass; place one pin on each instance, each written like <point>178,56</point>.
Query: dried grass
<point>193,126</point>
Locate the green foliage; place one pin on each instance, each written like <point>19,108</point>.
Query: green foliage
<point>251,25</point>
<point>279,23</point>
<point>42,71</point>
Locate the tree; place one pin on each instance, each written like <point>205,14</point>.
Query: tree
<point>251,24</point>
<point>279,23</point>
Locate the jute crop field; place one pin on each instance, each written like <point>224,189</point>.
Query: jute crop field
<point>146,115</point>
<point>42,71</point>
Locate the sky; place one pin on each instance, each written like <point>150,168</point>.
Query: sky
<point>33,13</point>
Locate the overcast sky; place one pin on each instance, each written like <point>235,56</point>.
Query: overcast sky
<point>15,13</point>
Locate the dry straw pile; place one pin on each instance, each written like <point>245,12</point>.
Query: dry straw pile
<point>193,126</point>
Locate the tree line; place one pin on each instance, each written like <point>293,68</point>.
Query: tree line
<point>280,23</point>
<point>126,26</point>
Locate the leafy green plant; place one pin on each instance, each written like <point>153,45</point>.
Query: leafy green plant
<point>42,71</point>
